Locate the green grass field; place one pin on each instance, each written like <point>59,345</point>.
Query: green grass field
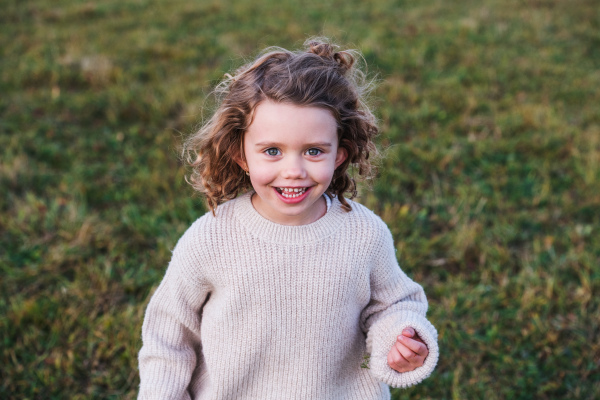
<point>490,114</point>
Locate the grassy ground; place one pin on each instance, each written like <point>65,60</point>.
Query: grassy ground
<point>491,184</point>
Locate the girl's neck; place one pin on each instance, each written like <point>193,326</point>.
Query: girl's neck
<point>270,231</point>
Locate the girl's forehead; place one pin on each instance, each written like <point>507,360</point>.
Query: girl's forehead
<point>273,109</point>
<point>285,122</point>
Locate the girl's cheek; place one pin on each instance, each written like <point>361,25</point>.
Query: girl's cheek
<point>261,174</point>
<point>322,173</point>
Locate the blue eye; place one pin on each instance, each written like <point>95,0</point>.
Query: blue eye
<point>313,152</point>
<point>272,151</point>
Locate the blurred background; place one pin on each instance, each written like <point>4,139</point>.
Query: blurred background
<point>490,123</point>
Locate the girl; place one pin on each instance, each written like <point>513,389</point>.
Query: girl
<point>287,290</point>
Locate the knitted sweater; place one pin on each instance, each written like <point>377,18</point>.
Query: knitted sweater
<point>250,309</point>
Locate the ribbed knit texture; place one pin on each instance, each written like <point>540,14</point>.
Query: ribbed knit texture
<point>250,309</point>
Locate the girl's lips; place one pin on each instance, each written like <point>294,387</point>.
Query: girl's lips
<point>293,200</point>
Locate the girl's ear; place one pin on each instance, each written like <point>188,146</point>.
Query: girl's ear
<point>239,158</point>
<point>341,156</point>
<point>240,161</point>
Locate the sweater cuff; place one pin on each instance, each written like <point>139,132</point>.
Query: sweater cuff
<point>382,336</point>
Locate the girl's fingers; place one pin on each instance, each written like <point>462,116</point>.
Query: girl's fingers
<point>414,359</point>
<point>408,332</point>
<point>396,361</point>
<point>415,345</point>
<point>408,352</point>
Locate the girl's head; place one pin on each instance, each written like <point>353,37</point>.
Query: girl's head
<point>317,77</point>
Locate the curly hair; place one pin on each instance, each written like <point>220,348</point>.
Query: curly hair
<point>318,76</point>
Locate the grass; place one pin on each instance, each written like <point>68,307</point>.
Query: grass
<point>490,185</point>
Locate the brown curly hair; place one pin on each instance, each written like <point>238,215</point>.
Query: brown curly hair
<point>318,76</point>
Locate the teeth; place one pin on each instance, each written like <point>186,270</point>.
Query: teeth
<point>291,193</point>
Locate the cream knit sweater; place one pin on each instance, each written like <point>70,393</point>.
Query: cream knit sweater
<point>250,309</point>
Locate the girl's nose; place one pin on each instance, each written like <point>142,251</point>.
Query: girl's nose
<point>293,169</point>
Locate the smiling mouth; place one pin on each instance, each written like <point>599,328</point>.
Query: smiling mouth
<point>291,193</point>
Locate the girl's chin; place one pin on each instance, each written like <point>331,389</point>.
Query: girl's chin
<point>288,212</point>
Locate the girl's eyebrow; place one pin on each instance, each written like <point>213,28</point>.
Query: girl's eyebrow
<point>320,144</point>
<point>275,144</point>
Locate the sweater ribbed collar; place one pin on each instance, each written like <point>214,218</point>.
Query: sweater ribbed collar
<point>273,232</point>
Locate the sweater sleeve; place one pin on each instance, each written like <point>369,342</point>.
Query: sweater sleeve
<point>396,303</point>
<point>171,328</point>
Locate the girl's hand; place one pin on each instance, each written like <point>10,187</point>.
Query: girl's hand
<point>408,353</point>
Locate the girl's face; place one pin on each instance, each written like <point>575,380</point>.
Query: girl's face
<point>291,153</point>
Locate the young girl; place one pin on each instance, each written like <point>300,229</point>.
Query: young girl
<point>288,290</point>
